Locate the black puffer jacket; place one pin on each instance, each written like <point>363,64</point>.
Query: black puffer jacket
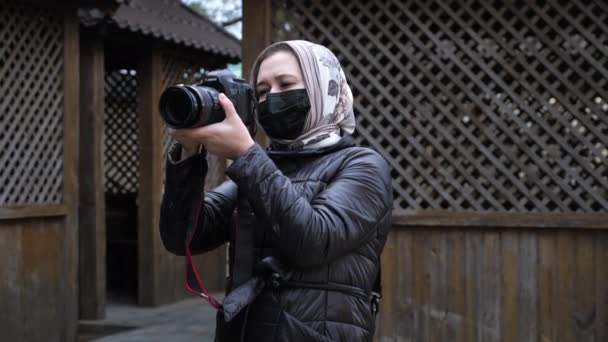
<point>323,215</point>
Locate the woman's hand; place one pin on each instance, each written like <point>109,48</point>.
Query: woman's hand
<point>229,138</point>
<point>189,147</point>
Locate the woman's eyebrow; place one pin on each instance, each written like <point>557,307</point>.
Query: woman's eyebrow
<point>285,76</point>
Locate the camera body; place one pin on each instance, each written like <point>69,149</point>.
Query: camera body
<point>189,106</point>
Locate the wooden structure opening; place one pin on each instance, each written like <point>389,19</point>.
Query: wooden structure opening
<point>121,170</point>
<point>128,59</point>
<point>122,158</point>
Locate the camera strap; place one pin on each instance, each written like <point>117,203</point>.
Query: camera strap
<point>194,283</point>
<point>244,256</point>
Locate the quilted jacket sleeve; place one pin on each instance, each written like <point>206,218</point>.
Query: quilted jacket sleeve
<point>184,186</point>
<point>345,215</point>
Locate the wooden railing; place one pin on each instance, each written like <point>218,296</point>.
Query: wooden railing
<point>483,282</point>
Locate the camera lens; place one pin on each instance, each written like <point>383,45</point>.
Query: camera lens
<point>179,107</point>
<point>190,106</point>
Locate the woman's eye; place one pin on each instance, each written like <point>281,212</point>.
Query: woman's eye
<point>262,92</point>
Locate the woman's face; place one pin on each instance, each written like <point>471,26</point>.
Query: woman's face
<point>279,72</point>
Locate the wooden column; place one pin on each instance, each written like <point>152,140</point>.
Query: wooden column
<point>149,196</point>
<point>256,31</point>
<point>92,232</point>
<point>71,88</point>
<point>256,36</point>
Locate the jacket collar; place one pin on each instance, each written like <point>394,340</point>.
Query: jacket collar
<point>346,141</point>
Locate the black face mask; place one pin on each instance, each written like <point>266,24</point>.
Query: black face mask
<point>283,115</point>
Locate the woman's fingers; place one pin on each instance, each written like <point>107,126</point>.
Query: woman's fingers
<point>198,133</point>
<point>201,133</point>
<point>227,106</point>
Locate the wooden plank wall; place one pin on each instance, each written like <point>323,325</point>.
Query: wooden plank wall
<point>492,284</point>
<point>33,270</point>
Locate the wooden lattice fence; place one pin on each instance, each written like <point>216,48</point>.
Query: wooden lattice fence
<point>121,141</point>
<point>121,120</point>
<point>31,105</point>
<point>478,106</point>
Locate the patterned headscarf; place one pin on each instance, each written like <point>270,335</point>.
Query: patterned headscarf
<point>331,100</point>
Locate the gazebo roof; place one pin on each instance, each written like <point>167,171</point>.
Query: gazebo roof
<point>175,22</point>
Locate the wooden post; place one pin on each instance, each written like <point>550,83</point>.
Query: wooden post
<point>92,232</point>
<point>71,89</point>
<point>256,31</point>
<point>256,36</point>
<point>149,196</point>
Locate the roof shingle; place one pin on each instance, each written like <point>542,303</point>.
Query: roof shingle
<point>175,22</point>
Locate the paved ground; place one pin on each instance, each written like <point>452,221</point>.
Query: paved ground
<point>187,321</point>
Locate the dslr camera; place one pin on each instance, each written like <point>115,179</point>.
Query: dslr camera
<point>189,106</point>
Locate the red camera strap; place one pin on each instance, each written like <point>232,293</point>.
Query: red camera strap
<point>193,279</point>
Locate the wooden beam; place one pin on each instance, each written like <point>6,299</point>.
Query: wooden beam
<point>256,36</point>
<point>443,219</point>
<point>71,88</point>
<point>256,31</point>
<point>92,232</point>
<point>149,196</point>
<point>30,211</point>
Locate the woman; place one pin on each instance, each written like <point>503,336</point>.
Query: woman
<point>306,219</point>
